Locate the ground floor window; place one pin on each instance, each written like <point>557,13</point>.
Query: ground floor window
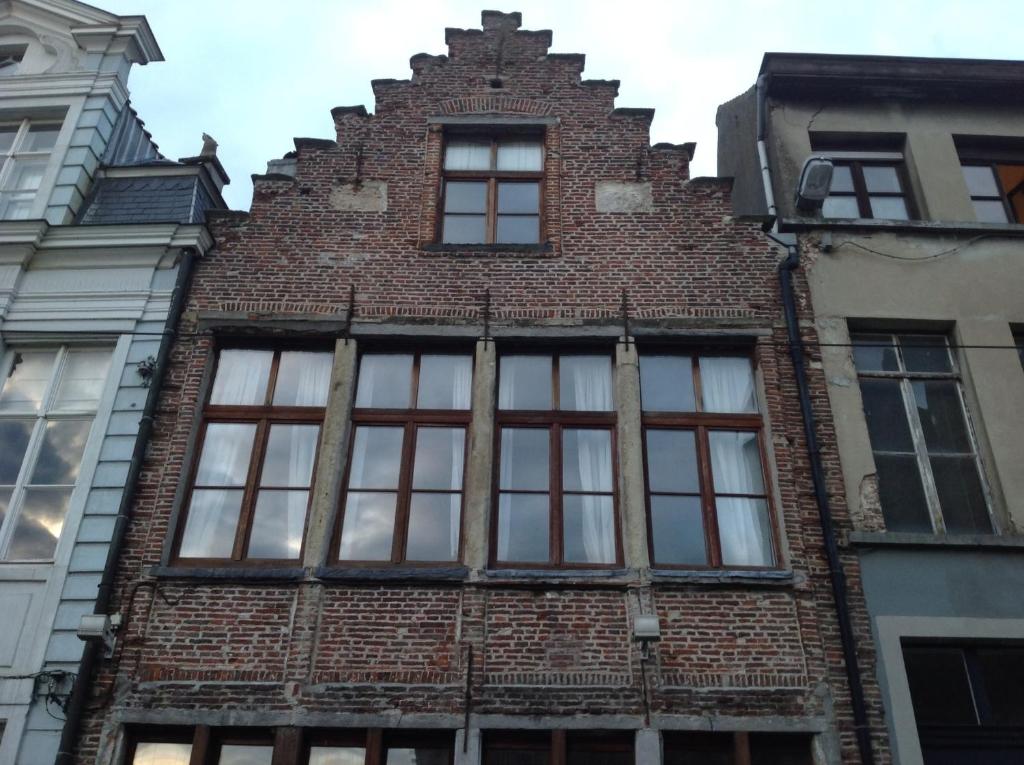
<point>560,747</point>
<point>686,747</point>
<point>288,746</point>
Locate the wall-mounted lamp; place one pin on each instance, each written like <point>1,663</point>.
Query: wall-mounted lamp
<point>646,630</point>
<point>100,627</point>
<point>814,185</point>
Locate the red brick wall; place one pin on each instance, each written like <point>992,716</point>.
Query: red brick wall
<point>728,648</point>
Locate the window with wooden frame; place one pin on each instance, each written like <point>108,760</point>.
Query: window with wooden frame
<point>555,483</point>
<point>967,701</point>
<point>288,746</point>
<point>929,474</point>
<point>492,189</point>
<point>257,453</point>
<point>868,189</point>
<point>25,148</point>
<point>403,498</point>
<point>739,748</point>
<point>559,747</point>
<point>708,502</point>
<point>996,189</point>
<point>48,400</point>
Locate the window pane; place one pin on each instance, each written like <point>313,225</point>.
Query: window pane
<point>290,453</point>
<point>881,178</point>
<point>14,436</point>
<point>446,382</point>
<point>698,748</point>
<point>990,211</point>
<point>677,527</point>
<point>385,381</point>
<point>514,755</point>
<point>939,688</point>
<point>5,501</point>
<point>467,155</point>
<point>39,524</point>
<point>518,229</point>
<point>520,156</point>
<point>942,418</point>
<point>840,207</point>
<point>901,493</point>
<point>418,756</point>
<point>26,175</point>
<point>780,749</point>
<point>464,229</point>
<point>277,524</point>
<point>162,754</point>
<point>439,458</point>
<point>666,384</point>
<point>925,353</point>
<point>465,197</point>
<point>433,527</point>
<point>1002,672</point>
<point>227,448</point>
<point>585,383</point>
<point>886,416</point>
<point>26,382</point>
<point>60,454</point>
<point>889,208</point>
<point>960,495</point>
<point>525,382</point>
<point>735,462</point>
<point>376,457</point>
<point>874,353</point>
<point>727,384</point>
<point>243,754</point>
<point>523,198</point>
<point>16,206</point>
<point>523,527</point>
<point>82,380</point>
<point>41,137</point>
<point>672,461</point>
<point>7,136</point>
<point>588,528</point>
<point>337,755</point>
<point>981,181</point>
<point>212,522</point>
<point>744,531</point>
<point>586,460</point>
<point>242,377</point>
<point>303,379</point>
<point>369,526</point>
<point>524,459</point>
<point>842,178</point>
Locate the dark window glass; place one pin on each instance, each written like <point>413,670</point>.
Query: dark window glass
<point>939,686</point>
<point>863,189</point>
<point>996,190</point>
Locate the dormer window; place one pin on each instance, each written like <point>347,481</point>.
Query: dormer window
<point>11,56</point>
<point>25,149</point>
<point>492,190</point>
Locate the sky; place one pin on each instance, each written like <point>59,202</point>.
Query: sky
<point>254,74</point>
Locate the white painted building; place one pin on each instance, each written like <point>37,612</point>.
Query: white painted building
<point>93,222</point>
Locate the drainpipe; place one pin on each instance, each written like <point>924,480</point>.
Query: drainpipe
<point>796,349</point>
<point>92,651</point>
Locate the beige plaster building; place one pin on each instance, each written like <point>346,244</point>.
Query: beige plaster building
<point>914,269</point>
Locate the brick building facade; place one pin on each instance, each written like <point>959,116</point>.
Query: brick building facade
<point>468,392</point>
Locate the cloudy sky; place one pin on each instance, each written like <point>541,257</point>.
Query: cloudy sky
<point>254,73</point>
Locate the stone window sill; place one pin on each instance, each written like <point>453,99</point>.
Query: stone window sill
<point>229,573</point>
<point>543,250</point>
<point>392,574</point>
<point>724,576</point>
<point>963,541</point>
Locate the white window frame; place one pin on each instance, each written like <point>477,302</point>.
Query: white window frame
<point>42,416</point>
<point>10,158</point>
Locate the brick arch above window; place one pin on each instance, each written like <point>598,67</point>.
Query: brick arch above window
<point>493,104</point>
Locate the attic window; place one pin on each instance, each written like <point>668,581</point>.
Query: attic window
<point>10,55</point>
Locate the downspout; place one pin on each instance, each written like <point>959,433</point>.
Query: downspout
<point>796,349</point>
<point>92,651</point>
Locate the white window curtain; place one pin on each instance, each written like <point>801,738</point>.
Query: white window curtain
<point>241,377</point>
<point>304,379</point>
<point>728,384</point>
<point>301,453</point>
<point>586,381</point>
<point>519,156</point>
<point>467,155</point>
<point>462,382</point>
<point>594,458</point>
<point>457,451</point>
<point>742,521</point>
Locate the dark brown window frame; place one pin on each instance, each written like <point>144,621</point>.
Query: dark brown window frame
<point>701,423</point>
<point>412,419</point>
<point>554,421</point>
<point>557,742</point>
<point>1004,195</point>
<point>291,746</point>
<point>493,177</point>
<point>860,189</point>
<point>263,416</point>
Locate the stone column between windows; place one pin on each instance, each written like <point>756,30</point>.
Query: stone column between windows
<point>477,499</point>
<point>647,747</point>
<point>632,506</point>
<point>470,740</point>
<point>330,466</point>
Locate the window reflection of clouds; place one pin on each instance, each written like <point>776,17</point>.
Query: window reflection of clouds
<point>39,524</point>
<point>61,452</point>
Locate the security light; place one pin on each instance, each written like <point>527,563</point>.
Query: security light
<point>814,185</point>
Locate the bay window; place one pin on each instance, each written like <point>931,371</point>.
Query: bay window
<point>707,492</point>
<point>25,148</point>
<point>556,482</point>
<point>260,435</point>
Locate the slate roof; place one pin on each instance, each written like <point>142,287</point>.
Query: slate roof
<point>153,199</point>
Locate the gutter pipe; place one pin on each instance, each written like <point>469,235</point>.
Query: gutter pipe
<point>837,574</point>
<point>92,651</point>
